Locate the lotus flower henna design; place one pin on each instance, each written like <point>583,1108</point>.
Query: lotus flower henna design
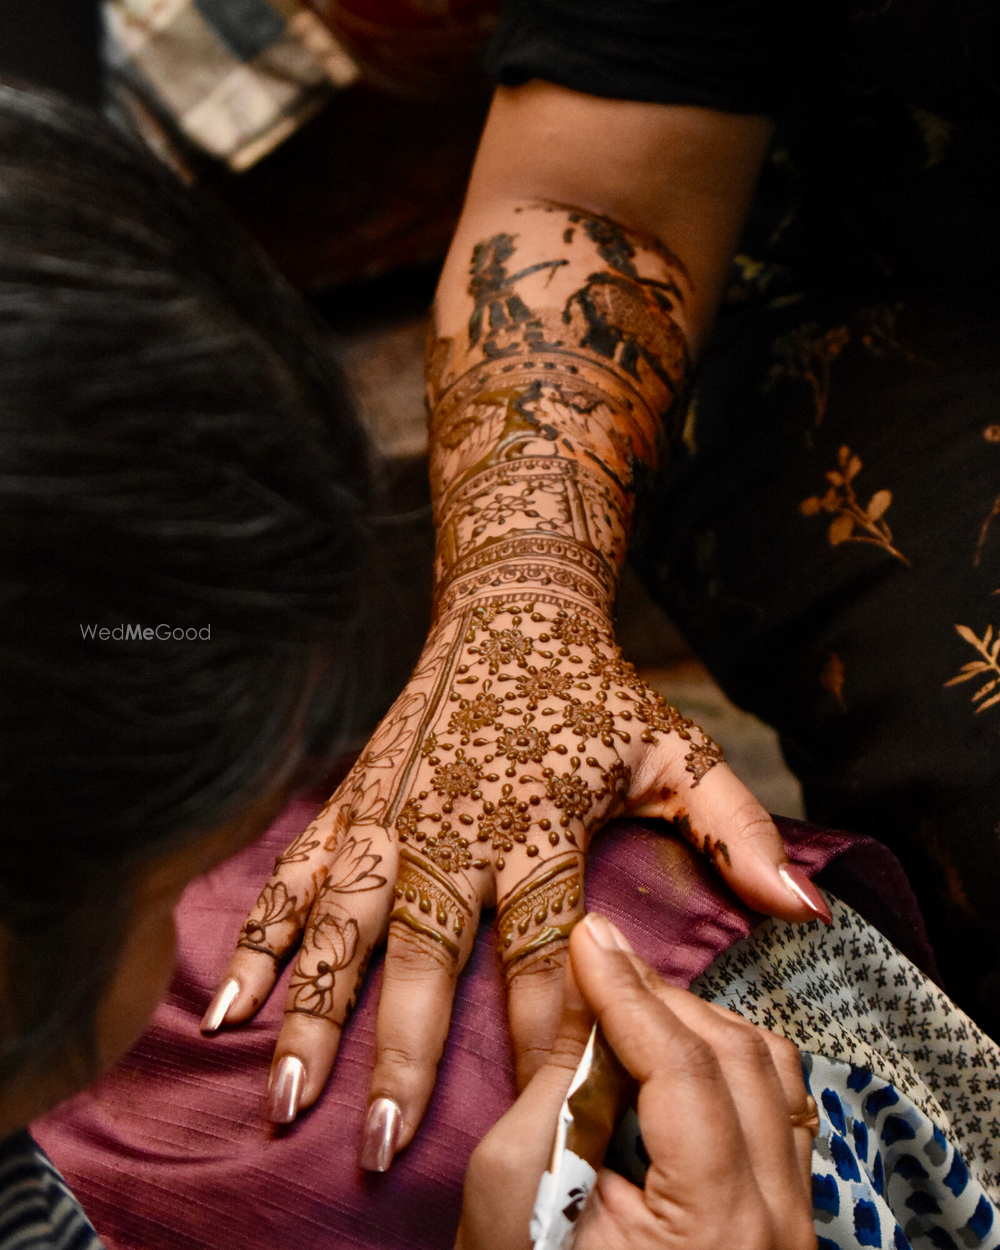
<point>274,906</point>
<point>351,872</point>
<point>335,940</point>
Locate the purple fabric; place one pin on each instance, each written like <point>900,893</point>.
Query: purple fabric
<point>169,1152</point>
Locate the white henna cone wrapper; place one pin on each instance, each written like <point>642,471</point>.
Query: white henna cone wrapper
<point>599,1093</point>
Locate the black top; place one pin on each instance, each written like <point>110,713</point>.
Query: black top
<point>734,55</point>
<point>889,115</point>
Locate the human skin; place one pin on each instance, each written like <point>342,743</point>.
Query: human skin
<point>715,1102</point>
<point>584,274</point>
<point>144,968</point>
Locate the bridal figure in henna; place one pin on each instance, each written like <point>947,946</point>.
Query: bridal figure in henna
<point>556,377</point>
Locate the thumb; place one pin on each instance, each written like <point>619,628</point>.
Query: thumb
<point>721,818</point>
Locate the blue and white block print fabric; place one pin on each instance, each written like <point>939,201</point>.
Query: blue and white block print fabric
<point>884,1175</point>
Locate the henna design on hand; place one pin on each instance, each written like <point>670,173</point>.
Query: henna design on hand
<point>274,906</point>
<point>435,896</point>
<point>535,914</point>
<point>551,404</point>
<point>331,940</point>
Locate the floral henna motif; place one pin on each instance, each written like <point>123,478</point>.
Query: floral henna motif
<point>475,714</point>
<point>275,906</point>
<point>299,851</point>
<point>312,994</point>
<point>521,743</point>
<point>505,646</point>
<point>702,757</point>
<point>540,684</point>
<point>331,939</point>
<point>506,822</point>
<point>458,778</point>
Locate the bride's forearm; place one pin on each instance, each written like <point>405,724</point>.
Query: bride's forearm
<point>551,404</point>
<point>573,299</point>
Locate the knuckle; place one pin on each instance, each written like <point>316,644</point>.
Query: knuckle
<point>541,972</point>
<point>753,824</point>
<point>746,1044</point>
<point>785,1054</point>
<point>413,956</point>
<point>397,1059</point>
<point>697,1059</point>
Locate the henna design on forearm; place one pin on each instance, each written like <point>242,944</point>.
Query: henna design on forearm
<point>552,408</point>
<point>551,405</point>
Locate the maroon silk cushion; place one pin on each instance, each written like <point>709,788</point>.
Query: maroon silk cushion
<point>169,1151</point>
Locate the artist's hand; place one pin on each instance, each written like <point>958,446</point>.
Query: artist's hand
<point>715,1100</point>
<point>518,735</point>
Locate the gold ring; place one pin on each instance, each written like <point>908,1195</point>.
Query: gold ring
<point>807,1119</point>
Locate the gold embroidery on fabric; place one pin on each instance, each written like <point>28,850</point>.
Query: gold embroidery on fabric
<point>848,514</point>
<point>987,667</point>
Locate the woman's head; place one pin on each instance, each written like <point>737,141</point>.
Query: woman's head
<point>175,450</point>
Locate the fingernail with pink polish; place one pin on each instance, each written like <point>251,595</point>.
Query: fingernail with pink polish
<point>380,1135</point>
<point>797,883</point>
<point>225,996</point>
<point>285,1091</point>
<point>608,936</point>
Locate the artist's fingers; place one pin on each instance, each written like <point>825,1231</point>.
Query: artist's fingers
<point>711,1172</point>
<point>537,908</point>
<point>431,934</point>
<point>763,1070</point>
<point>716,812</point>
<point>501,1181</point>
<point>348,918</point>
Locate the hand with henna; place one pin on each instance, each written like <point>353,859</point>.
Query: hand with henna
<point>556,377</point>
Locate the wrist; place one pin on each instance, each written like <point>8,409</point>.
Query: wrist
<point>547,568</point>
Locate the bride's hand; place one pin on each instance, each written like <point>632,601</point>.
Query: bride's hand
<point>516,738</point>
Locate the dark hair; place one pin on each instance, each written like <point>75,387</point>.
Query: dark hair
<point>176,448</point>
